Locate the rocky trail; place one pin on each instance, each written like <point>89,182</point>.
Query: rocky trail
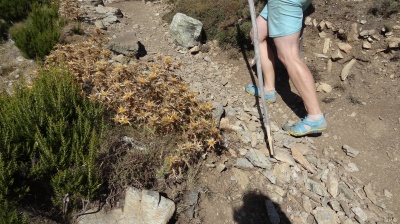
<point>348,175</point>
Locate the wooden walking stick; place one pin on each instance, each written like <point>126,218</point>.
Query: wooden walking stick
<point>260,77</point>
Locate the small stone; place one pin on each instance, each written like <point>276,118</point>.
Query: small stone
<point>353,33</point>
<point>333,184</point>
<point>363,21</point>
<point>244,136</point>
<point>335,205</point>
<point>327,44</point>
<point>345,207</point>
<point>99,24</point>
<point>224,123</point>
<point>283,173</point>
<point>361,216</point>
<point>221,167</point>
<point>352,167</point>
<point>324,87</point>
<point>345,47</point>
<point>366,45</point>
<point>280,191</point>
<point>350,151</point>
<point>366,33</point>
<point>387,193</point>
<point>328,24</point>
<point>370,193</point>
<point>337,55</point>
<point>257,158</point>
<point>304,149</point>
<point>316,187</point>
<point>242,151</point>
<point>194,50</point>
<point>243,163</point>
<point>269,175</point>
<point>322,34</point>
<point>284,156</point>
<point>325,215</point>
<point>346,191</point>
<point>307,204</point>
<point>308,21</point>
<point>314,22</point>
<point>346,69</point>
<point>321,25</point>
<point>348,221</point>
<point>389,34</point>
<point>298,156</point>
<point>329,66</point>
<point>394,42</point>
<point>320,55</point>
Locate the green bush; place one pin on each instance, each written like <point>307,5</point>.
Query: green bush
<point>12,10</point>
<point>385,7</point>
<point>39,33</point>
<point>3,29</point>
<point>220,18</point>
<point>49,136</point>
<point>236,36</point>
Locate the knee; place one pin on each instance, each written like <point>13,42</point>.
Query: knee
<point>288,59</point>
<point>261,37</point>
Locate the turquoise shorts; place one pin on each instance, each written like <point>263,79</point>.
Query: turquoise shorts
<point>284,17</point>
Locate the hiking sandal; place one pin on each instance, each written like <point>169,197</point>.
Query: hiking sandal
<point>300,128</point>
<point>253,90</point>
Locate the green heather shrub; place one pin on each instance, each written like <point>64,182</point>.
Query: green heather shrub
<point>39,33</point>
<point>238,35</point>
<point>49,137</point>
<point>3,29</point>
<point>220,18</point>
<point>12,10</point>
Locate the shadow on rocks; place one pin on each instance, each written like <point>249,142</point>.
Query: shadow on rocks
<point>257,208</point>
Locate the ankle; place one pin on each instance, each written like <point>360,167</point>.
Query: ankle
<point>269,91</point>
<point>315,117</point>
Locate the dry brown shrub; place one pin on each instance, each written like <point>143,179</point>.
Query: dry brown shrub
<point>143,94</point>
<point>71,9</point>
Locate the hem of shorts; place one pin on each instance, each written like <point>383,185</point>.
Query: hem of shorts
<point>284,34</point>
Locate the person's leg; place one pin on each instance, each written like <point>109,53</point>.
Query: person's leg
<point>266,54</point>
<point>288,53</point>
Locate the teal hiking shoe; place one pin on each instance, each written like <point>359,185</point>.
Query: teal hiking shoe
<point>253,90</point>
<point>306,127</point>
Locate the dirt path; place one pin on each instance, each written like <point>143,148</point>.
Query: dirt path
<point>363,114</point>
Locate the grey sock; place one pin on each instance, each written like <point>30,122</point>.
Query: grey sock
<point>269,92</point>
<point>315,117</point>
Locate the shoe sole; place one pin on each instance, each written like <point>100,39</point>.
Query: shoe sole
<point>315,131</point>
<point>269,102</point>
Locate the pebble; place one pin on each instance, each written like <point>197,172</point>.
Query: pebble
<point>351,167</point>
<point>361,216</point>
<point>387,193</point>
<point>257,158</point>
<point>243,163</point>
<point>325,215</point>
<point>370,193</point>
<point>350,151</point>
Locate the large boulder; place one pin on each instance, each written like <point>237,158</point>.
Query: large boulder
<point>141,206</point>
<point>185,30</point>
